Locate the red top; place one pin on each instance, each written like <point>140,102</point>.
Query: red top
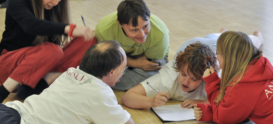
<point>250,98</point>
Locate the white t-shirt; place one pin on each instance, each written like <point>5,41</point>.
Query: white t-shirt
<point>166,81</point>
<point>75,97</point>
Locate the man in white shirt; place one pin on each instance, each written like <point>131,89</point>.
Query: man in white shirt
<point>80,95</point>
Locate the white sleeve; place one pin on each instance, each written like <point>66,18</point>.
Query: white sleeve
<point>162,81</point>
<point>108,111</point>
<point>156,82</point>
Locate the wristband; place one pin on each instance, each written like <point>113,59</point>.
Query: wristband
<point>72,27</point>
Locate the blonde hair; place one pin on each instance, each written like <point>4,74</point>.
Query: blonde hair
<point>238,51</point>
<point>60,14</point>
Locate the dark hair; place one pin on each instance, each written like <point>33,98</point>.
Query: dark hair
<point>198,57</point>
<point>101,58</point>
<point>130,10</point>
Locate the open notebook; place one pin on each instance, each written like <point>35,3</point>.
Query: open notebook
<point>174,113</point>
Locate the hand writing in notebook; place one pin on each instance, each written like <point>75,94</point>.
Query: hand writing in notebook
<point>160,99</point>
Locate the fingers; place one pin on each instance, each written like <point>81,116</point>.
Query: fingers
<point>160,99</point>
<point>153,66</point>
<point>88,34</point>
<point>164,94</point>
<point>194,105</point>
<point>206,73</point>
<point>84,32</point>
<point>211,69</point>
<point>197,113</point>
<point>147,65</point>
<point>187,104</point>
<point>184,104</point>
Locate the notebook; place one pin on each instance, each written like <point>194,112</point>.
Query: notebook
<point>174,113</point>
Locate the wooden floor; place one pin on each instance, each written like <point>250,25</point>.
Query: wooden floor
<point>185,19</point>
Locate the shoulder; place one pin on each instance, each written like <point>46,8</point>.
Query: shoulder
<point>19,3</point>
<point>159,33</point>
<point>169,69</point>
<point>158,25</point>
<point>108,22</point>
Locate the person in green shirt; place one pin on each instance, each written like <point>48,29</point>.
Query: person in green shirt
<point>143,36</point>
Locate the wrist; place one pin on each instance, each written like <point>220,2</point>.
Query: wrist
<point>151,102</point>
<point>132,62</point>
<point>66,29</point>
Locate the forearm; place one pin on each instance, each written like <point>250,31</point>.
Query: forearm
<point>212,86</point>
<point>132,62</point>
<point>134,100</point>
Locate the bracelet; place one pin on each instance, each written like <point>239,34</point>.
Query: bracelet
<point>72,27</point>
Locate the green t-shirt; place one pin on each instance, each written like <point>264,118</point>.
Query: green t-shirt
<point>156,45</point>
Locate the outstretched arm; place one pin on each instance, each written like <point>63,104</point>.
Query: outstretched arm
<point>136,98</point>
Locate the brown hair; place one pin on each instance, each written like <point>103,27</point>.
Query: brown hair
<point>198,57</point>
<point>130,10</point>
<point>60,14</point>
<point>238,51</point>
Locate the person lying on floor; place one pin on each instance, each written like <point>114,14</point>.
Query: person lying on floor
<point>180,79</point>
<point>80,95</point>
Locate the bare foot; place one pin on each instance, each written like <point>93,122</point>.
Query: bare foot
<point>259,35</point>
<point>223,30</point>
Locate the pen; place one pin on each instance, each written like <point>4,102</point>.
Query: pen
<point>83,21</point>
<point>152,87</point>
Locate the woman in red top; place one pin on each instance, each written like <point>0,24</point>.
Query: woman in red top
<point>245,89</point>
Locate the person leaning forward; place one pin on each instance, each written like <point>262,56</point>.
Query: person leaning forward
<point>143,36</point>
<point>80,95</point>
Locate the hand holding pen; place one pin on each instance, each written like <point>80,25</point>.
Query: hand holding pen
<point>160,98</point>
<point>84,32</point>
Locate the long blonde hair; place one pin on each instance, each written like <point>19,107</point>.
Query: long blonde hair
<point>60,14</point>
<point>238,51</point>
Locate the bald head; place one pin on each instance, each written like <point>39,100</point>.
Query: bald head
<point>103,46</point>
<point>101,58</point>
